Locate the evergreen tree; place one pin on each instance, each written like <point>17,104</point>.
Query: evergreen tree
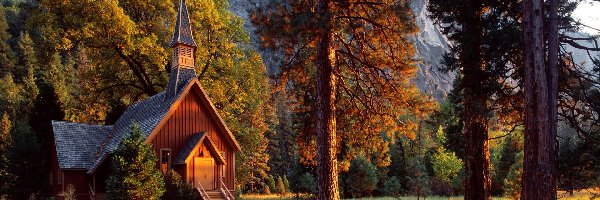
<point>392,186</point>
<point>362,178</point>
<point>368,88</point>
<point>270,182</point>
<point>27,57</point>
<point>6,178</point>
<point>134,172</point>
<point>280,186</point>
<point>286,183</point>
<point>6,53</point>
<point>26,163</point>
<point>10,96</point>
<point>512,183</point>
<point>306,183</point>
<point>483,32</point>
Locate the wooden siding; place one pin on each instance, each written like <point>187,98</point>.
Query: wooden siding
<point>190,117</point>
<point>79,179</point>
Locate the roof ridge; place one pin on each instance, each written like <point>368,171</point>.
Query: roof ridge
<point>79,123</point>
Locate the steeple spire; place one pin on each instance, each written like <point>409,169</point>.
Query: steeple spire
<point>183,30</point>
<point>184,46</point>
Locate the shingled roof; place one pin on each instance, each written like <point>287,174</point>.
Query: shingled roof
<point>76,143</point>
<point>183,30</point>
<point>188,147</point>
<point>147,114</point>
<point>193,142</point>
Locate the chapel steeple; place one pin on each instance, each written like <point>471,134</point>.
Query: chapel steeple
<point>184,46</point>
<point>183,29</point>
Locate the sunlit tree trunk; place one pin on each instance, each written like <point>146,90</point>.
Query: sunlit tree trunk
<point>327,173</point>
<point>539,179</point>
<point>477,165</point>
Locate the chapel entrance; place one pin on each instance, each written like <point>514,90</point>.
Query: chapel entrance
<point>205,172</point>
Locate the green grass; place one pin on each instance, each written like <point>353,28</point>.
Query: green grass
<point>278,197</point>
<point>578,195</point>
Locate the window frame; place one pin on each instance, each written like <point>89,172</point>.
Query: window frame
<point>169,160</point>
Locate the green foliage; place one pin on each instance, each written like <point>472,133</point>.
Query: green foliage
<point>362,177</point>
<point>286,183</point>
<point>266,190</point>
<point>270,182</point>
<point>6,53</point>
<point>306,183</point>
<point>419,182</point>
<point>26,162</point>
<point>579,160</point>
<point>365,100</point>
<point>446,165</point>
<point>503,155</point>
<point>392,186</point>
<point>27,59</point>
<point>512,183</point>
<point>125,55</point>
<point>281,189</point>
<point>5,144</point>
<point>134,171</point>
<point>176,188</point>
<point>10,95</point>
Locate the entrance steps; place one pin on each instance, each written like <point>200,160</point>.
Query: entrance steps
<point>215,195</point>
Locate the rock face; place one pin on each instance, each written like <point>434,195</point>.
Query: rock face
<point>430,46</point>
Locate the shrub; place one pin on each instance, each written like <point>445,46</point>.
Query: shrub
<point>177,188</point>
<point>392,186</point>
<point>362,177</point>
<point>135,175</point>
<point>70,193</point>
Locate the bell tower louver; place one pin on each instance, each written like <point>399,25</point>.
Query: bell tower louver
<point>184,47</point>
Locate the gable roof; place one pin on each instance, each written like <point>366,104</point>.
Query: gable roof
<point>76,142</point>
<point>193,143</point>
<point>151,114</point>
<point>194,85</point>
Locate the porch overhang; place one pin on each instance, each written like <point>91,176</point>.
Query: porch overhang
<point>191,148</point>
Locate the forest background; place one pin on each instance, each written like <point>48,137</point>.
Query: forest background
<point>60,62</point>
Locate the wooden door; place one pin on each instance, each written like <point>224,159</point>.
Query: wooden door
<point>204,172</point>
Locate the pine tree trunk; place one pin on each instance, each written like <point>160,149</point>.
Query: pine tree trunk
<point>539,166</point>
<point>477,165</point>
<point>327,173</point>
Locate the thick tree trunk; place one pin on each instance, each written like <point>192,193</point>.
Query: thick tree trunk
<point>327,173</point>
<point>477,165</point>
<point>539,179</point>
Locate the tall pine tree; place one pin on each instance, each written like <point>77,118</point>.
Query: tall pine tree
<point>361,60</point>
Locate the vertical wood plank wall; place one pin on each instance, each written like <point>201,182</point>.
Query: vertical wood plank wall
<point>193,117</point>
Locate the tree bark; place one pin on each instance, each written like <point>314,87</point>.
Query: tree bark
<point>477,165</point>
<point>327,173</point>
<point>539,169</point>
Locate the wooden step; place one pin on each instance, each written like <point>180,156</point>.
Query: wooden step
<point>215,195</point>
